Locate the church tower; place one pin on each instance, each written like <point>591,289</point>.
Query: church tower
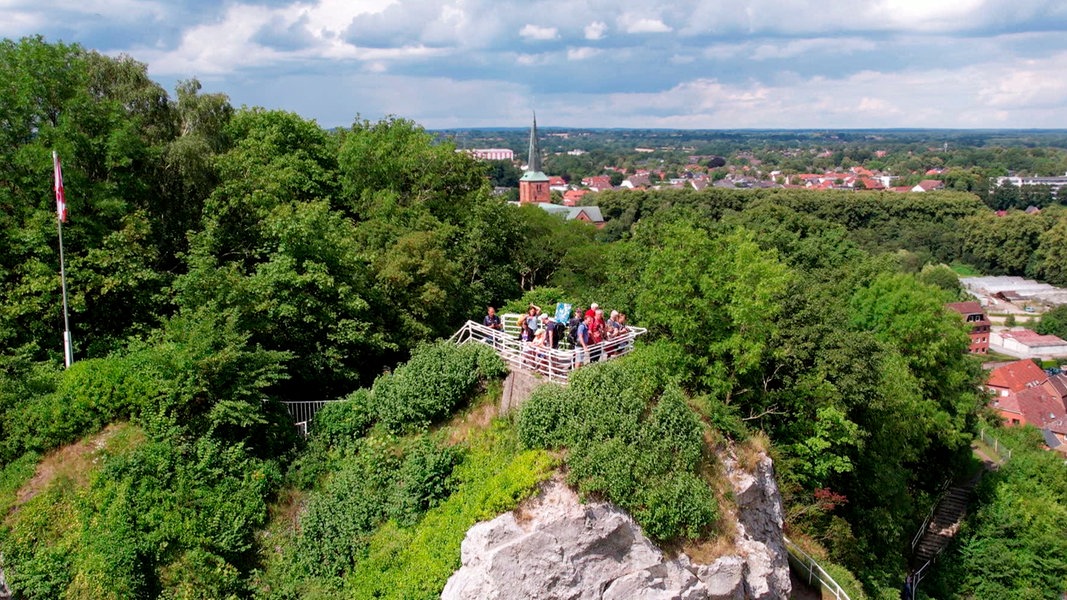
<point>533,186</point>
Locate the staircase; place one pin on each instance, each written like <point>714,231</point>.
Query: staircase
<point>942,526</point>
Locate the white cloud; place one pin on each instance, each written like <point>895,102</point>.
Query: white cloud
<point>799,47</point>
<point>582,53</point>
<point>632,23</point>
<point>595,30</point>
<point>536,32</point>
<point>1035,84</point>
<point>327,18</point>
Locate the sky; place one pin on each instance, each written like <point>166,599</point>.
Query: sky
<point>707,64</point>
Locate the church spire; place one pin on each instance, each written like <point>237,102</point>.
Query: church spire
<point>533,185</point>
<point>534,158</point>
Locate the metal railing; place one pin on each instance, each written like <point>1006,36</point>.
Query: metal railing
<point>1002,451</point>
<point>930,515</point>
<point>555,364</point>
<point>303,411</point>
<point>806,566</point>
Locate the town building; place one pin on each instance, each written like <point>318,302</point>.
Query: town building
<point>586,214</point>
<point>1024,343</point>
<point>977,323</point>
<point>492,153</point>
<point>534,185</point>
<point>1054,183</point>
<point>1025,395</point>
<point>1015,377</point>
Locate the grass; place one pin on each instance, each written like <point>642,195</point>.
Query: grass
<point>13,477</point>
<point>965,270</point>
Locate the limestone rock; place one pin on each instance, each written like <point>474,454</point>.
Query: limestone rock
<point>554,547</point>
<point>760,539</point>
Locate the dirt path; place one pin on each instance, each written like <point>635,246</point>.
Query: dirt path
<point>73,461</point>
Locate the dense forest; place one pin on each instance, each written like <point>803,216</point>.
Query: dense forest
<point>222,259</point>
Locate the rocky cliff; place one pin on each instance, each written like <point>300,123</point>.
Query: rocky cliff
<point>556,547</point>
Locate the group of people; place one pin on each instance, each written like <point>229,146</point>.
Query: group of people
<point>587,332</point>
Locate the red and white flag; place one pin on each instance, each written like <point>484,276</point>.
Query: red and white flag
<point>61,199</point>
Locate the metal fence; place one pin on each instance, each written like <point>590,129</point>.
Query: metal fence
<point>806,566</point>
<point>1003,451</point>
<point>303,411</point>
<point>555,364</point>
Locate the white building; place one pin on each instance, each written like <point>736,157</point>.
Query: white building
<point>1023,343</point>
<point>493,153</point>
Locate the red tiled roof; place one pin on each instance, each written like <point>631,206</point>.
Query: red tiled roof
<point>556,180</point>
<point>1017,376</point>
<point>966,308</point>
<point>1059,384</point>
<point>931,184</point>
<point>1042,409</point>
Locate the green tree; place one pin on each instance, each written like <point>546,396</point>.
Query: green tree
<point>1054,322</point>
<point>717,298</point>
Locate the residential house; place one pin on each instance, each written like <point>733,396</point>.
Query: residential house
<point>928,185</point>
<point>571,197</point>
<point>977,322</point>
<point>597,183</point>
<point>638,180</point>
<point>1026,395</point>
<point>1037,406</point>
<point>1015,377</point>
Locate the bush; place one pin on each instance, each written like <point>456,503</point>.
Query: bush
<point>341,422</point>
<point>424,478</point>
<point>680,504</point>
<point>545,417</point>
<point>90,394</point>
<point>432,384</point>
<point>373,486</point>
<point>632,439</point>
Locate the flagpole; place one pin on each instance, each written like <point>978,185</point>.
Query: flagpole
<point>61,209</point>
<point>68,352</point>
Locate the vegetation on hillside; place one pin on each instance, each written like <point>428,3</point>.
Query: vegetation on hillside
<point>222,259</point>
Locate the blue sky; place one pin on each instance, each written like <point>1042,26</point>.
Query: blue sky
<point>596,63</point>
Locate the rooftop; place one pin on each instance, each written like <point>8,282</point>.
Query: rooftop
<point>1017,376</point>
<point>1032,338</point>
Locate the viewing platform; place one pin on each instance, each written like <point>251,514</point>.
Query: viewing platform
<point>554,364</point>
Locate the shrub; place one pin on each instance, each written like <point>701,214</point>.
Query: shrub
<point>340,422</point>
<point>374,485</point>
<point>432,384</point>
<point>680,504</point>
<point>545,417</point>
<point>90,394</point>
<point>632,439</point>
<point>415,562</point>
<point>424,478</point>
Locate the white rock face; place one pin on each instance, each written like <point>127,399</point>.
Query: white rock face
<point>557,548</point>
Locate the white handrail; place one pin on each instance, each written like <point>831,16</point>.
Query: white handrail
<point>555,364</point>
<point>805,565</point>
